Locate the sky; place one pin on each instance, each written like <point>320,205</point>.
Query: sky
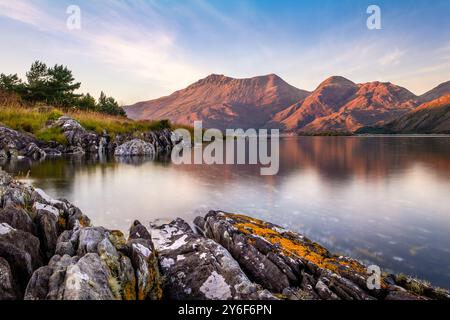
<point>143,49</point>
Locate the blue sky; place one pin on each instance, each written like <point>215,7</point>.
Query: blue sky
<point>142,49</point>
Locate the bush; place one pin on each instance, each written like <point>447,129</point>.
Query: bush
<point>51,134</point>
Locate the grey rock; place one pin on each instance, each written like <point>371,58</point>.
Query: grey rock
<point>17,218</point>
<point>9,289</point>
<point>21,250</point>
<point>135,147</point>
<point>261,260</point>
<point>88,279</point>
<point>145,262</point>
<point>37,288</point>
<point>199,268</point>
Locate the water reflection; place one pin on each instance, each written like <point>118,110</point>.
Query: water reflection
<point>383,199</point>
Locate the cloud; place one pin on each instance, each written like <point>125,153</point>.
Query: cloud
<point>141,51</point>
<point>391,58</point>
<point>26,12</point>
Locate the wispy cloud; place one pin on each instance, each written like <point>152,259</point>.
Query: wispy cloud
<point>391,57</point>
<point>124,45</point>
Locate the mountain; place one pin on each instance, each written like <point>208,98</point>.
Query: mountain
<point>439,91</point>
<point>371,103</point>
<point>223,102</point>
<point>338,105</point>
<point>323,101</point>
<point>429,117</point>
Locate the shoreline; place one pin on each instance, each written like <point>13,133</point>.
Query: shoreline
<point>227,256</point>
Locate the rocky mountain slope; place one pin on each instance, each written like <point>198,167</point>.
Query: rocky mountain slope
<point>337,105</point>
<point>49,250</point>
<point>370,103</point>
<point>429,117</point>
<point>222,102</point>
<point>439,91</point>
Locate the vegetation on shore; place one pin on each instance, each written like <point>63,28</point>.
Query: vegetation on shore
<point>49,93</point>
<point>56,86</point>
<point>35,120</point>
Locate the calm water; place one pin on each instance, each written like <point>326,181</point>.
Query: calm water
<point>384,200</point>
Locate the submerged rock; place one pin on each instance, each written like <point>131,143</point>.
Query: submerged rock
<point>199,268</point>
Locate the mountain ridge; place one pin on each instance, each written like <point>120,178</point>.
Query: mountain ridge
<point>336,105</point>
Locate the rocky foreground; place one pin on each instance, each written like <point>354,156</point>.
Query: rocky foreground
<point>49,250</point>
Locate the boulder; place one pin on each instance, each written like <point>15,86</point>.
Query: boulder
<point>32,151</point>
<point>15,143</point>
<point>197,268</point>
<point>91,263</point>
<point>79,139</point>
<point>145,262</point>
<point>9,289</point>
<point>259,258</point>
<point>46,221</point>
<point>135,147</point>
<point>17,218</point>
<point>21,250</point>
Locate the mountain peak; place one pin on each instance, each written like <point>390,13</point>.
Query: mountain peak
<point>337,80</point>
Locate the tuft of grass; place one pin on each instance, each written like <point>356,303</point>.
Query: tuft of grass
<point>51,134</point>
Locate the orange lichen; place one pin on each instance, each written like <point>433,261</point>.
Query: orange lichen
<point>294,246</point>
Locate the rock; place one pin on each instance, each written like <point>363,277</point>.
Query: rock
<point>145,262</point>
<point>265,264</point>
<point>32,151</point>
<point>14,143</point>
<point>21,250</point>
<point>324,292</point>
<point>17,218</point>
<point>37,288</point>
<point>401,295</point>
<point>89,279</point>
<point>79,139</point>
<point>277,258</point>
<point>96,271</point>
<point>199,268</point>
<point>135,147</point>
<point>89,239</point>
<point>47,229</point>
<point>9,289</point>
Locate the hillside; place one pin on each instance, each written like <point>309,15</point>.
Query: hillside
<point>430,117</point>
<point>371,103</point>
<point>222,102</point>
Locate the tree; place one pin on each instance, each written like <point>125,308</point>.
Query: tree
<point>86,102</point>
<point>11,83</point>
<point>61,86</point>
<point>109,105</point>
<point>37,78</point>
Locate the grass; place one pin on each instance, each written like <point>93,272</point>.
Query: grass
<point>36,120</point>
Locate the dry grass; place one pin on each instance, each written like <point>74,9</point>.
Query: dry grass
<point>35,120</point>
